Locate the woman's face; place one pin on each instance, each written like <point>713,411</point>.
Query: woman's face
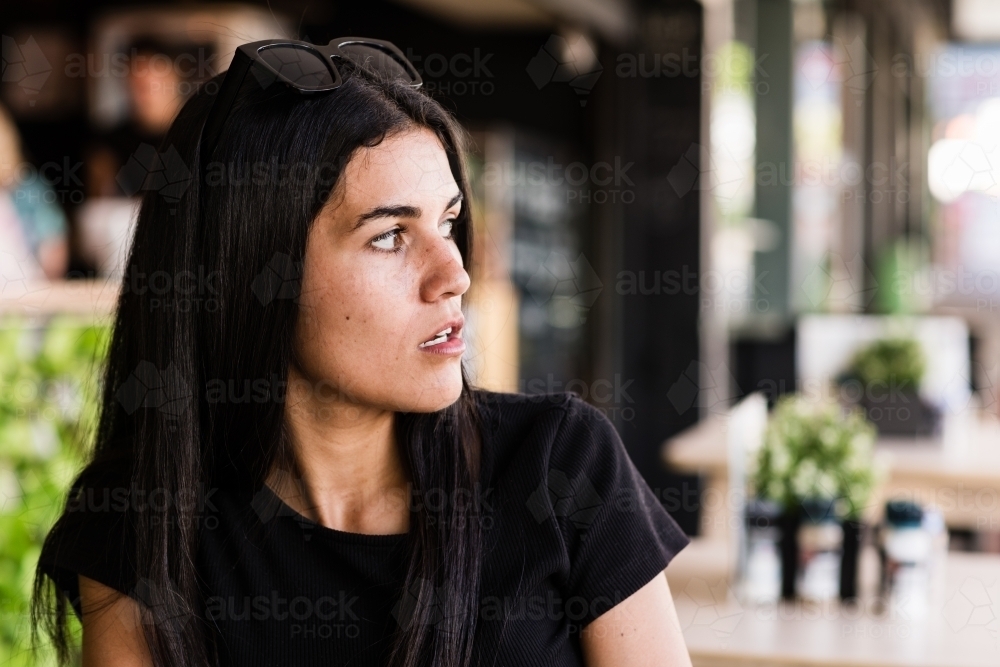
<point>383,275</point>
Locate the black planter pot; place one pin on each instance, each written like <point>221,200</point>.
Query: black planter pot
<point>902,414</point>
<point>789,552</point>
<point>853,539</point>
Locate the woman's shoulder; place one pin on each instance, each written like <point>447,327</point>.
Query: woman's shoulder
<point>538,427</point>
<point>92,537</point>
<point>509,416</point>
<point>514,411</point>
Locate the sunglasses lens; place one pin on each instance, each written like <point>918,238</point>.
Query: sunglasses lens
<point>375,59</point>
<point>303,67</point>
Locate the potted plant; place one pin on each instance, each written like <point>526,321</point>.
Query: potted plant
<point>884,378</point>
<point>816,451</point>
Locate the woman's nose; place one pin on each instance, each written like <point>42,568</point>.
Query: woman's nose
<point>445,272</point>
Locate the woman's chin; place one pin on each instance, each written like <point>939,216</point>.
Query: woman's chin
<point>434,395</point>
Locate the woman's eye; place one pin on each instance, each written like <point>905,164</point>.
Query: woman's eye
<point>388,238</point>
<point>387,242</point>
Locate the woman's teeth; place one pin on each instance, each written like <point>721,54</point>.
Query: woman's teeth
<point>440,338</point>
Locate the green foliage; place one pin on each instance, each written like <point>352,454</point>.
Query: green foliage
<point>895,362</point>
<point>815,450</point>
<point>48,410</point>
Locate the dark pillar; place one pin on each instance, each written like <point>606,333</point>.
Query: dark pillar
<point>775,169</point>
<point>650,114</point>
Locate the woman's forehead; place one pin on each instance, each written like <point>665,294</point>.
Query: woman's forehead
<point>406,168</point>
<point>412,164</point>
<point>415,147</point>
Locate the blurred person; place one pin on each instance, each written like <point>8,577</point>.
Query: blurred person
<point>32,224</point>
<point>160,75</point>
<point>291,466</point>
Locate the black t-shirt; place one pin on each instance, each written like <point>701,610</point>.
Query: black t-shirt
<point>570,530</point>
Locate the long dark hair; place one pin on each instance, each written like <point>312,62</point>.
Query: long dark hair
<point>245,227</point>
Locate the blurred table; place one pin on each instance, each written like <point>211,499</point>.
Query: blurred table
<point>960,630</point>
<point>959,471</point>
<point>96,298</point>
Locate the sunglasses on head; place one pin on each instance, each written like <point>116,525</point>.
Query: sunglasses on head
<point>303,67</point>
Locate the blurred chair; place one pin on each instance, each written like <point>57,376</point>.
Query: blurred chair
<point>826,343</point>
<point>106,228</point>
<point>745,435</point>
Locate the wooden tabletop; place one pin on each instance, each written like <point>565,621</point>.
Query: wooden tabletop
<point>959,630</point>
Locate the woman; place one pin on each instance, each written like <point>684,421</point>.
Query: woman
<point>291,466</point>
<point>32,224</point>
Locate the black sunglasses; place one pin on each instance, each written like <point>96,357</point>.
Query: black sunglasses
<point>303,67</point>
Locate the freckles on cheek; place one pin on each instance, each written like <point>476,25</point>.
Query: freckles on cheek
<point>380,296</point>
<point>354,302</point>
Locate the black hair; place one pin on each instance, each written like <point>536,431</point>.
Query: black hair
<point>158,428</point>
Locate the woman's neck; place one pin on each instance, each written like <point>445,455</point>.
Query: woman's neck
<point>346,470</point>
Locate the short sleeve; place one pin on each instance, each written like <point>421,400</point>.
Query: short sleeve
<point>91,538</point>
<point>617,534</point>
<point>41,217</point>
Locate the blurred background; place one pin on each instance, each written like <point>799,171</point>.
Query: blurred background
<point>762,236</point>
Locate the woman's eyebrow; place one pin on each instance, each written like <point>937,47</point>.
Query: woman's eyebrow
<point>396,211</point>
<point>399,211</point>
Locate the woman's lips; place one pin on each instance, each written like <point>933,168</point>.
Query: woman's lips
<point>452,345</point>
